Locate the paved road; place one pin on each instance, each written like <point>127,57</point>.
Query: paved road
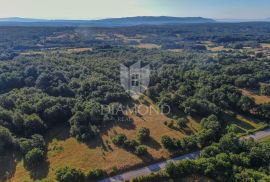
<point>149,169</point>
<point>259,135</point>
<point>161,165</point>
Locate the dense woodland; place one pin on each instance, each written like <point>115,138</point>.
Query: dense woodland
<point>48,87</point>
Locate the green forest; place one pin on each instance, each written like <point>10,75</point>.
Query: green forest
<point>63,76</point>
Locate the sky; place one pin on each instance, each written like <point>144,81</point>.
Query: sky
<point>98,9</point>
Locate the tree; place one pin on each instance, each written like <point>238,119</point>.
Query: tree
<point>265,89</point>
<point>167,142</point>
<point>246,104</point>
<point>181,123</point>
<point>200,107</point>
<point>229,143</point>
<point>211,122</point>
<point>119,139</point>
<point>68,174</point>
<point>33,125</point>
<point>131,144</point>
<point>95,174</point>
<point>143,134</point>
<point>57,114</point>
<point>141,150</point>
<point>34,157</point>
<point>6,139</point>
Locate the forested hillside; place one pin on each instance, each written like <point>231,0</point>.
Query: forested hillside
<point>212,76</point>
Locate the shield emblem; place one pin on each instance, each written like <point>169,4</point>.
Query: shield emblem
<point>135,79</point>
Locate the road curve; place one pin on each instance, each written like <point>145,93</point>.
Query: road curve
<point>161,165</point>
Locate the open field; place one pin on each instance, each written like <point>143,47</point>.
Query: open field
<point>265,140</point>
<point>57,51</point>
<point>245,124</point>
<point>259,99</point>
<point>101,153</point>
<point>211,47</point>
<point>148,46</point>
<point>265,45</point>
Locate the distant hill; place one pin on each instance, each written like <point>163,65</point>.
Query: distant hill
<point>112,22</point>
<point>18,19</point>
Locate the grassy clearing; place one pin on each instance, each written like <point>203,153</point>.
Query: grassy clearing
<point>148,46</point>
<point>259,99</point>
<point>265,45</point>
<point>101,153</point>
<point>211,47</point>
<point>175,50</point>
<point>265,140</point>
<point>127,40</point>
<point>245,124</point>
<point>56,51</point>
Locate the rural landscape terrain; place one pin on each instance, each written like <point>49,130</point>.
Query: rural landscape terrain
<point>56,78</point>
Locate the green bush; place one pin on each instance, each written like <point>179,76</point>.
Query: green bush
<point>34,157</point>
<point>141,150</point>
<point>119,139</point>
<point>143,134</point>
<point>131,144</point>
<point>68,174</point>
<point>167,142</point>
<point>96,174</point>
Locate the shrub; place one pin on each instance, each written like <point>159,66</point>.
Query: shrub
<point>119,139</point>
<point>141,150</point>
<point>6,139</point>
<point>114,170</point>
<point>167,142</point>
<point>34,157</point>
<point>68,174</point>
<point>131,144</point>
<point>265,89</point>
<point>96,174</point>
<point>143,134</point>
<point>181,122</point>
<point>170,124</point>
<point>33,125</point>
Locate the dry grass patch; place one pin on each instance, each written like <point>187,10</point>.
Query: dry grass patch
<point>212,47</point>
<point>244,123</point>
<point>148,46</point>
<point>265,139</point>
<point>253,123</point>
<point>265,45</point>
<point>100,152</point>
<point>259,99</point>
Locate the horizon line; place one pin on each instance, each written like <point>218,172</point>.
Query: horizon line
<point>104,18</point>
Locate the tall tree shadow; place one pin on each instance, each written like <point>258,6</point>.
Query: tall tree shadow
<point>8,163</point>
<point>41,171</point>
<point>153,143</point>
<point>59,132</point>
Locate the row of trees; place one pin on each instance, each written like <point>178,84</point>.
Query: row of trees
<point>230,159</point>
<point>210,132</point>
<point>134,146</point>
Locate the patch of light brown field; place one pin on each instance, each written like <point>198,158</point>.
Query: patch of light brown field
<point>211,47</point>
<point>101,153</point>
<point>148,46</point>
<point>265,45</point>
<point>259,99</point>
